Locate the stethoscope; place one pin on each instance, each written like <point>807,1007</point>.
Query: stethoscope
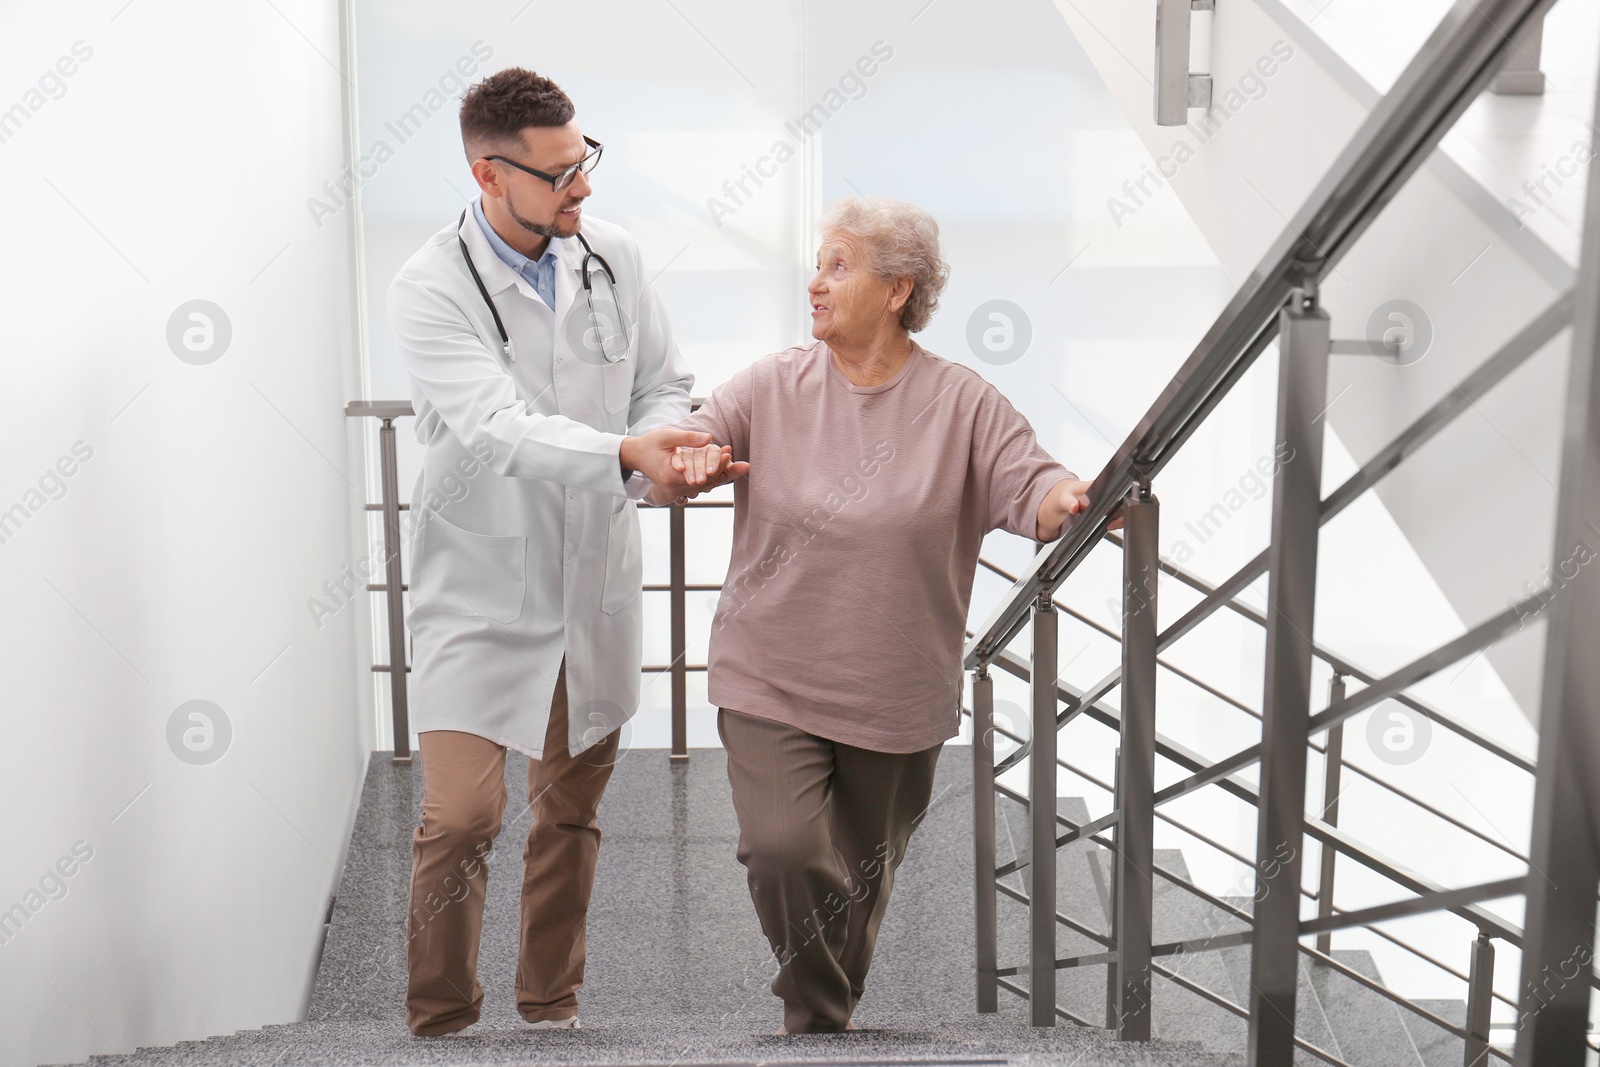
<point>589,254</point>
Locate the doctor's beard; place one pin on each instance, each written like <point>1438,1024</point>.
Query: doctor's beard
<point>557,228</point>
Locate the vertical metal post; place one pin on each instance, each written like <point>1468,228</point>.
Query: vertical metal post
<point>1303,346</point>
<point>394,596</point>
<point>1113,986</point>
<point>983,839</point>
<point>1559,936</point>
<point>1137,764</point>
<point>1332,771</point>
<point>680,637</point>
<point>1480,997</point>
<point>1042,818</point>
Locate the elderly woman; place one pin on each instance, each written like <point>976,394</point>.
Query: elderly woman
<point>875,468</point>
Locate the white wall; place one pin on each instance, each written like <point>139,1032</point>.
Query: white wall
<point>208,501</point>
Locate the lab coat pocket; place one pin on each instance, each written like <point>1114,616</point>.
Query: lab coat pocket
<point>458,572</point>
<point>618,385</point>
<point>624,561</point>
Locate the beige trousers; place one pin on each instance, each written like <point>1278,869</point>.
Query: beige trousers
<point>822,828</point>
<point>463,802</point>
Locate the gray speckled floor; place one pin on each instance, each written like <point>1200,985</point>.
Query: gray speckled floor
<point>678,971</point>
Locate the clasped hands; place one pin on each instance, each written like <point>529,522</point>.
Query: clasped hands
<point>681,464</point>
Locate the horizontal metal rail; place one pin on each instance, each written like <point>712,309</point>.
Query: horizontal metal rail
<point>1194,946</point>
<point>1445,899</point>
<point>1108,717</point>
<point>1340,665</point>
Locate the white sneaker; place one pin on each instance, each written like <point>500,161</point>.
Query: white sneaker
<point>465,1030</point>
<point>569,1023</point>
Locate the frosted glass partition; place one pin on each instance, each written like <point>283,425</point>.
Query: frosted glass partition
<point>729,127</point>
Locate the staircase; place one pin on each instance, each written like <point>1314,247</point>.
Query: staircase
<point>678,970</point>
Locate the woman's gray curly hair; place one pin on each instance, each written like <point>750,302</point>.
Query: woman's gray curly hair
<point>903,241</point>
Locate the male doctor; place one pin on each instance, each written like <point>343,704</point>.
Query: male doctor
<point>543,374</point>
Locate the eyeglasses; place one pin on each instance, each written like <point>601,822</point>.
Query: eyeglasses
<point>560,181</point>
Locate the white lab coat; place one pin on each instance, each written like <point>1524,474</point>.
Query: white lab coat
<point>525,539</point>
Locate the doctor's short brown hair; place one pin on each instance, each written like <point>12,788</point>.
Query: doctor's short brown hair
<point>496,110</point>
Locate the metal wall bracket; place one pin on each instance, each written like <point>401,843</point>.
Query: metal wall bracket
<point>1177,90</point>
<point>1521,75</point>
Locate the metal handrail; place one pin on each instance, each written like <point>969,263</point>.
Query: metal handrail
<point>1450,71</point>
<point>1037,591</point>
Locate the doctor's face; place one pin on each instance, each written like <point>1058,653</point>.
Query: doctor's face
<point>529,201</point>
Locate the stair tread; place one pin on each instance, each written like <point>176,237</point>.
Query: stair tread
<point>1437,1047</point>
<point>1080,990</point>
<point>699,992</point>
<point>669,1038</point>
<point>1180,916</point>
<point>1311,1025</point>
<point>1367,1026</point>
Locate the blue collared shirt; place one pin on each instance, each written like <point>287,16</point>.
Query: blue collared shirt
<point>540,273</point>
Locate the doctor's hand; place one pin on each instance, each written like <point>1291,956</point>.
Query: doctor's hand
<point>652,454</point>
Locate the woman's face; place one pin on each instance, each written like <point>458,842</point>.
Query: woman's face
<point>849,302</point>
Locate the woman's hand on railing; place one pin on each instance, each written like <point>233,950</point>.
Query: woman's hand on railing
<point>1066,499</point>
